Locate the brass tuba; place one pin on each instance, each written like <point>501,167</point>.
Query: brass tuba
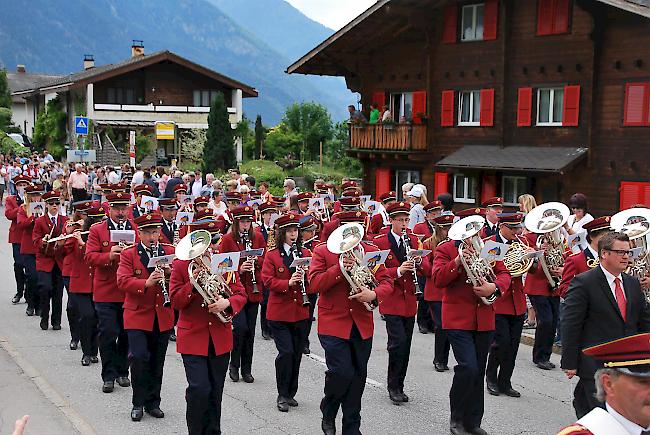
<point>346,241</point>
<point>547,220</point>
<point>467,231</point>
<point>211,286</point>
<point>635,223</point>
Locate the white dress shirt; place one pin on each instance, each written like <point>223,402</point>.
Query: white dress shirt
<point>610,280</point>
<point>631,427</point>
<point>416,215</point>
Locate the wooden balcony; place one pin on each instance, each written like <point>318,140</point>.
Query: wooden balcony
<point>399,138</point>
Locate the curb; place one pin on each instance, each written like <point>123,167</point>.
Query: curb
<point>529,339</point>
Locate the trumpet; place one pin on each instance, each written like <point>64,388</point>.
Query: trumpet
<point>68,236</point>
<point>303,288</point>
<point>417,291</point>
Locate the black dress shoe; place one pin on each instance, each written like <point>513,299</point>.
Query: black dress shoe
<point>74,345</point>
<point>477,431</point>
<point>108,386</point>
<point>137,413</point>
<point>492,388</point>
<point>405,398</point>
<point>123,381</point>
<point>551,364</point>
<point>85,360</point>
<point>511,392</point>
<point>29,311</point>
<point>266,335</point>
<point>306,350</point>
<point>292,402</point>
<point>283,405</point>
<point>156,412</point>
<point>395,397</point>
<point>15,300</point>
<point>234,374</point>
<point>248,378</point>
<point>44,324</point>
<point>56,327</point>
<point>545,365</point>
<point>328,427</point>
<point>172,337</point>
<point>440,367</point>
<point>423,330</point>
<point>94,359</point>
<point>457,428</point>
<point>37,312</point>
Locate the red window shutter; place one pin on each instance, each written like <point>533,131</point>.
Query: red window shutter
<point>632,193</point>
<point>447,114</point>
<point>644,194</point>
<point>544,17</point>
<point>524,107</point>
<point>379,98</point>
<point>571,113</point>
<point>382,181</point>
<point>419,105</point>
<point>487,107</point>
<point>561,14</point>
<point>440,184</point>
<point>488,187</point>
<point>490,19</point>
<point>449,31</point>
<point>635,111</point>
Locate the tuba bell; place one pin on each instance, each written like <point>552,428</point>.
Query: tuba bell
<point>635,223</point>
<point>346,242</point>
<point>467,231</point>
<point>547,220</point>
<point>211,286</point>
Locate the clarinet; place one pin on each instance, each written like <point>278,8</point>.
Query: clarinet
<point>163,284</point>
<point>407,244</point>
<point>249,246</point>
<point>303,288</point>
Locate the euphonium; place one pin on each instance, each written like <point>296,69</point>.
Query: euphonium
<point>211,287</point>
<point>514,260</point>
<point>346,241</point>
<point>635,223</point>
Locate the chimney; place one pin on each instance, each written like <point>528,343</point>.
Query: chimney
<point>89,61</point>
<point>137,48</point>
<point>20,69</point>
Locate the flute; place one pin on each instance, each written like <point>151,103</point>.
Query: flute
<point>67,236</point>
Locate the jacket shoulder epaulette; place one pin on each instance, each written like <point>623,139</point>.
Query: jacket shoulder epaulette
<point>574,429</point>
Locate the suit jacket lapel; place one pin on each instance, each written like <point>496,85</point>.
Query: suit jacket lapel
<point>628,283</point>
<point>144,257</point>
<point>604,286</point>
<point>395,247</point>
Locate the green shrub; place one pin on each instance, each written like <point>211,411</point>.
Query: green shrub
<point>10,146</point>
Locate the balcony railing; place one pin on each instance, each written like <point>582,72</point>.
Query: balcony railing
<point>159,109</point>
<point>399,137</point>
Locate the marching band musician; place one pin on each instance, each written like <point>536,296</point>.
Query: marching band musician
<point>303,203</point>
<point>433,295</point>
<point>147,321</point>
<point>49,260</point>
<point>25,227</point>
<point>169,232</point>
<point>345,329</point>
<point>287,314</point>
<point>380,219</point>
<point>469,325</point>
<point>510,311</point>
<point>80,289</point>
<point>348,189</point>
<point>136,210</point>
<point>266,210</point>
<point>180,190</point>
<point>12,205</point>
<point>400,305</point>
<point>104,256</point>
<point>249,270</point>
<point>233,200</point>
<point>308,234</point>
<point>493,206</point>
<point>346,204</point>
<point>204,341</point>
<point>201,204</point>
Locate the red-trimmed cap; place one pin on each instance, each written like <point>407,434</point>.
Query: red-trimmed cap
<point>279,201</point>
<point>388,196</point>
<point>118,198</point>
<point>168,203</point>
<point>287,220</point>
<point>398,208</point>
<point>201,200</point>
<point>349,185</point>
<point>629,355</point>
<point>52,196</point>
<point>149,220</point>
<point>118,187</point>
<point>601,223</point>
<point>82,206</point>
<point>433,205</point>
<point>22,179</point>
<point>255,195</point>
<point>308,223</point>
<point>233,196</point>
<point>143,189</point>
<point>267,207</point>
<point>96,211</point>
<point>351,193</point>
<point>350,201</point>
<point>444,220</point>
<point>305,196</point>
<point>180,188</point>
<point>494,201</point>
<point>346,217</point>
<point>321,188</point>
<point>106,187</point>
<point>243,212</point>
<point>35,189</point>
<point>208,213</point>
<point>512,219</point>
<point>471,212</point>
<point>214,227</point>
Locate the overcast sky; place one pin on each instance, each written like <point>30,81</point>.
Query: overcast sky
<point>333,13</point>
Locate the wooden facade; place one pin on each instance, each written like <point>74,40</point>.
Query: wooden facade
<point>583,64</point>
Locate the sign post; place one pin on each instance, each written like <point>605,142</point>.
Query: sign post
<point>132,148</point>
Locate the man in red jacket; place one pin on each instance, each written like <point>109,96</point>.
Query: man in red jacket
<point>380,219</point>
<point>148,317</point>
<point>12,204</point>
<point>25,228</point>
<point>469,323</point>
<point>345,329</point>
<point>49,260</point>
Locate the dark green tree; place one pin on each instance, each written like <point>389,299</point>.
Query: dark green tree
<point>312,122</point>
<point>219,149</point>
<point>260,132</point>
<point>5,93</point>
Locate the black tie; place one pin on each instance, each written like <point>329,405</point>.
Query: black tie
<point>53,221</point>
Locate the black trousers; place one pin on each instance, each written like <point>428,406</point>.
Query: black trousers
<point>313,299</point>
<point>82,304</point>
<point>466,394</point>
<point>79,195</point>
<point>265,301</point>
<point>441,344</point>
<point>19,271</point>
<point>147,351</point>
<point>345,378</point>
<point>503,352</point>
<point>32,296</point>
<point>244,337</point>
<point>584,397</point>
<point>50,288</point>
<point>113,340</point>
<point>289,339</point>
<point>400,333</point>
<point>546,312</point>
<point>72,312</point>
<point>205,377</point>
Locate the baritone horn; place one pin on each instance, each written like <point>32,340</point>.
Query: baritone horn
<point>211,286</point>
<point>635,223</point>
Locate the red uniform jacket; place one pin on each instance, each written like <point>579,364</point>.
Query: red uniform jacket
<point>25,228</point>
<point>81,275</point>
<point>228,244</point>
<point>513,301</point>
<point>433,293</point>
<point>166,236</point>
<point>422,230</point>
<point>12,205</point>
<point>536,282</point>
<point>574,265</point>
<point>42,226</point>
<point>98,250</point>
<point>336,312</point>
<point>196,325</point>
<point>461,308</point>
<point>142,305</point>
<point>285,302</point>
<point>376,223</point>
<point>401,301</point>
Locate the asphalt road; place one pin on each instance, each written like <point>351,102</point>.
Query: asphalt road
<point>40,376</point>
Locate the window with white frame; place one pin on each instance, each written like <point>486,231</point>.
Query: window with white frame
<point>204,97</point>
<point>464,188</point>
<point>550,103</point>
<point>401,106</point>
<point>472,22</point>
<point>402,177</point>
<point>469,108</point>
<point>511,188</point>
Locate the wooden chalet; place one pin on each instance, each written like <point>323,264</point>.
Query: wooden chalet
<point>501,97</point>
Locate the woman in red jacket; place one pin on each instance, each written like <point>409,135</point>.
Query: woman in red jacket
<point>25,225</point>
<point>288,309</point>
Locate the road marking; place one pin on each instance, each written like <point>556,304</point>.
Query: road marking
<point>50,393</point>
<point>321,360</point>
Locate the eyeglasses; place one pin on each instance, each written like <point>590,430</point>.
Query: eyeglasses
<point>54,203</point>
<point>620,252</point>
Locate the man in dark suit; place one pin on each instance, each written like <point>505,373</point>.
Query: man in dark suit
<point>602,304</point>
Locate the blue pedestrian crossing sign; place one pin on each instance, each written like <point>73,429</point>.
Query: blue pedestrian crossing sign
<point>81,125</point>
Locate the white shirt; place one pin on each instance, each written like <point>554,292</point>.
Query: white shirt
<point>52,217</point>
<point>610,280</point>
<point>398,239</point>
<point>631,427</point>
<point>138,178</point>
<point>196,187</point>
<point>594,253</point>
<point>416,215</point>
<point>113,178</point>
<point>576,226</point>
<point>287,248</point>
<point>218,209</point>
